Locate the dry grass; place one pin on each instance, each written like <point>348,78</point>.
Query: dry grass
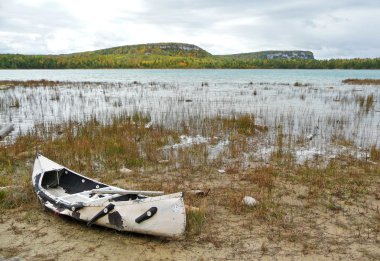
<point>362,81</point>
<point>196,221</point>
<point>366,103</point>
<point>375,153</point>
<point>263,177</point>
<point>29,83</point>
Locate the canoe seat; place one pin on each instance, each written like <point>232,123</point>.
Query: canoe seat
<point>77,198</point>
<point>80,197</point>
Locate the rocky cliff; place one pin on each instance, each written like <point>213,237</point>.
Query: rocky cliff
<point>296,54</point>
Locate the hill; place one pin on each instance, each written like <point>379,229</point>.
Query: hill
<point>166,49</point>
<point>179,55</point>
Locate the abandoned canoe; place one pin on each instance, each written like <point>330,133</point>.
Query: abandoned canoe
<point>69,193</point>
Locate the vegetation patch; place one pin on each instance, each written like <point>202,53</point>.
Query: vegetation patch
<point>362,81</point>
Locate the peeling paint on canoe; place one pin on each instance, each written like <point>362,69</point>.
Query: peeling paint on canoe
<point>76,215</point>
<point>115,219</point>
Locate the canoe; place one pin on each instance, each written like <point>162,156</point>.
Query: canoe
<point>68,193</point>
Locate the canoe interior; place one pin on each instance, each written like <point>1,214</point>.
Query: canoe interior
<point>69,181</point>
<point>75,188</point>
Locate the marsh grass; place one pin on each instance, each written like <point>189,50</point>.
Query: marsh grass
<point>125,142</point>
<point>375,153</point>
<point>196,221</point>
<point>362,81</point>
<point>269,211</point>
<point>263,177</point>
<point>17,192</point>
<point>366,103</point>
<point>342,141</point>
<point>30,83</point>
<point>338,179</point>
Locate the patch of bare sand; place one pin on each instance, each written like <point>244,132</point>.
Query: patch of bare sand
<point>51,237</point>
<point>40,235</point>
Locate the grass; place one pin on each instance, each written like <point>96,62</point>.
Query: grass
<point>15,193</point>
<point>263,177</point>
<point>29,83</point>
<point>366,103</point>
<point>196,221</point>
<point>375,153</point>
<point>362,81</point>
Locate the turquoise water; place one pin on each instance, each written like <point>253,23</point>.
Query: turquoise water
<point>192,75</point>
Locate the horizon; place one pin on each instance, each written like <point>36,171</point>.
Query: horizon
<point>330,30</point>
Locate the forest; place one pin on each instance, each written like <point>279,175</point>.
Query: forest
<point>175,55</point>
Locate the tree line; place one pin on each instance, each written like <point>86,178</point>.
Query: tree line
<point>96,61</point>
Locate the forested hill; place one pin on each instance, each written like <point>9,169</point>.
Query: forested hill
<point>179,55</point>
<point>166,49</point>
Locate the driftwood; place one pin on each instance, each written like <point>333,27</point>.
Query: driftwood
<point>5,130</point>
<point>198,192</point>
<point>192,209</point>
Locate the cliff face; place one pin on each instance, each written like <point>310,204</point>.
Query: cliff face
<point>273,55</point>
<point>288,55</point>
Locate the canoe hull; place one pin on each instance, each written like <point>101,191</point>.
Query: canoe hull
<point>168,217</point>
<point>170,220</point>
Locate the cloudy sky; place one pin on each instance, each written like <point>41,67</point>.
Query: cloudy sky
<point>329,28</point>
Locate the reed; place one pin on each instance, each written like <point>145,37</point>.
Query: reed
<point>375,153</point>
<point>29,83</point>
<point>196,221</point>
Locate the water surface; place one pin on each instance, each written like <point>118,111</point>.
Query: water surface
<point>191,75</point>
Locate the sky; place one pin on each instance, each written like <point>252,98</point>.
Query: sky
<point>328,28</point>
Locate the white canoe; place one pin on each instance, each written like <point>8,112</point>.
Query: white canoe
<point>69,193</point>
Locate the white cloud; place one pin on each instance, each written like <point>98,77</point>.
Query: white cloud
<point>345,28</point>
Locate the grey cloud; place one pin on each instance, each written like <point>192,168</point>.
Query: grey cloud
<point>345,28</point>
<point>34,19</point>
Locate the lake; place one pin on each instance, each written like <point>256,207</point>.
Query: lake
<point>191,75</point>
<point>300,101</point>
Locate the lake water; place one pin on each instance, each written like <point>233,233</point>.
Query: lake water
<point>192,75</point>
<point>173,96</point>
